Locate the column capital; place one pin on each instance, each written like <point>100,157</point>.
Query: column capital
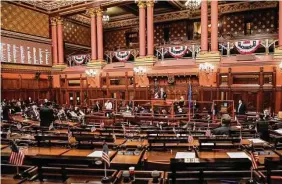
<point>141,4</point>
<point>150,3</point>
<point>99,12</point>
<point>53,21</point>
<point>91,12</point>
<point>59,20</point>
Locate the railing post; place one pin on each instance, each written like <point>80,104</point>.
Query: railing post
<point>193,51</point>
<point>228,48</point>
<point>266,47</point>
<point>162,53</point>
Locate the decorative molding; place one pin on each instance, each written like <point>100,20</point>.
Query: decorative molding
<point>122,23</point>
<point>245,6</point>
<point>27,37</point>
<point>70,45</point>
<point>80,18</point>
<point>27,68</point>
<point>52,5</point>
<point>91,12</point>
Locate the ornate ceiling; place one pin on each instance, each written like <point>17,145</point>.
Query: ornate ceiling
<point>125,12</point>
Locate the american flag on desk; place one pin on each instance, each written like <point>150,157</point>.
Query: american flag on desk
<point>190,139</point>
<point>17,156</point>
<point>255,159</point>
<point>208,133</point>
<point>105,155</point>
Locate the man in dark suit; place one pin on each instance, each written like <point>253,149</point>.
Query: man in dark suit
<point>241,109</point>
<point>225,126</point>
<point>97,107</point>
<point>46,115</point>
<point>262,127</point>
<point>162,94</point>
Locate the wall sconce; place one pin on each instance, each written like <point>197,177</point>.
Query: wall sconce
<point>139,70</point>
<point>206,68</point>
<point>280,66</point>
<point>91,73</point>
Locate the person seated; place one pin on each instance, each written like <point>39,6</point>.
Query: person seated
<point>179,110</point>
<point>162,94</point>
<point>97,107</point>
<point>164,113</point>
<point>225,126</point>
<point>262,127</point>
<point>46,115</point>
<point>181,101</point>
<point>108,105</point>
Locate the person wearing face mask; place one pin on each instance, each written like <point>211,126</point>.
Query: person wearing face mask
<point>241,109</point>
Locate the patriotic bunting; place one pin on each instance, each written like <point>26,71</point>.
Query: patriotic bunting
<point>122,56</point>
<point>178,51</point>
<point>247,46</point>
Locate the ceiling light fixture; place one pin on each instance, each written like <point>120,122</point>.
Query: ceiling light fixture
<point>91,73</point>
<point>139,70</point>
<point>206,67</point>
<point>193,5</point>
<point>280,66</point>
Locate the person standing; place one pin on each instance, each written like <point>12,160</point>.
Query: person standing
<point>46,115</point>
<point>241,109</point>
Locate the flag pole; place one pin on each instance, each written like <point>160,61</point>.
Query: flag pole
<point>105,166</point>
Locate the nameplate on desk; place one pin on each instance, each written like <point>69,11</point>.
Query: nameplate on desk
<point>185,155</point>
<point>237,155</point>
<point>279,131</point>
<point>256,141</point>
<point>191,160</point>
<point>95,154</point>
<point>207,144</point>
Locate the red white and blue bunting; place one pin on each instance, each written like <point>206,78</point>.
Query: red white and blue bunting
<point>178,51</point>
<point>78,59</point>
<point>247,46</point>
<point>122,56</point>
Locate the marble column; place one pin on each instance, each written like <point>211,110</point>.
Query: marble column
<point>280,25</point>
<point>60,41</point>
<point>54,41</point>
<point>214,26</point>
<point>204,25</point>
<point>100,34</point>
<point>142,28</point>
<point>150,28</point>
<point>92,14</point>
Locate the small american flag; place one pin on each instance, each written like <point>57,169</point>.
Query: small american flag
<point>114,137</point>
<point>105,155</point>
<point>9,132</point>
<point>19,126</point>
<point>69,136</point>
<point>17,156</point>
<point>208,133</point>
<point>255,159</point>
<point>102,125</point>
<point>190,139</point>
<point>51,126</point>
<point>93,129</point>
<point>124,130</point>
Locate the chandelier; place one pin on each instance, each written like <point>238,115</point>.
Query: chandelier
<point>139,70</point>
<point>106,18</point>
<point>280,66</point>
<point>206,67</point>
<point>192,5</point>
<point>91,72</point>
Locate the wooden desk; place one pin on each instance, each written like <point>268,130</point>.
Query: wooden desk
<point>279,152</point>
<point>119,141</point>
<point>160,156</point>
<point>52,151</point>
<point>4,146</point>
<point>135,143</point>
<point>213,154</point>
<point>262,157</point>
<point>126,159</point>
<point>6,151</point>
<point>84,153</point>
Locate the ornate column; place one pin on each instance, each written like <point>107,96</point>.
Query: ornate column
<point>142,28</point>
<point>150,28</point>
<point>280,25</point>
<point>92,14</point>
<point>204,26</point>
<point>60,41</point>
<point>214,26</point>
<point>54,41</point>
<point>100,35</point>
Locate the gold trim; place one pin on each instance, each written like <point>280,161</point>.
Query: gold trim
<point>141,4</point>
<point>59,67</point>
<point>60,20</point>
<point>24,67</point>
<point>99,12</point>
<point>150,3</point>
<point>91,12</point>
<point>53,21</point>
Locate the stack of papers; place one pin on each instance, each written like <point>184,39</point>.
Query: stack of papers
<point>237,155</point>
<point>185,155</point>
<point>256,141</point>
<point>279,131</point>
<point>95,154</point>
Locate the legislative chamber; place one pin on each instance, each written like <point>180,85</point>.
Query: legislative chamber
<point>141,92</point>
